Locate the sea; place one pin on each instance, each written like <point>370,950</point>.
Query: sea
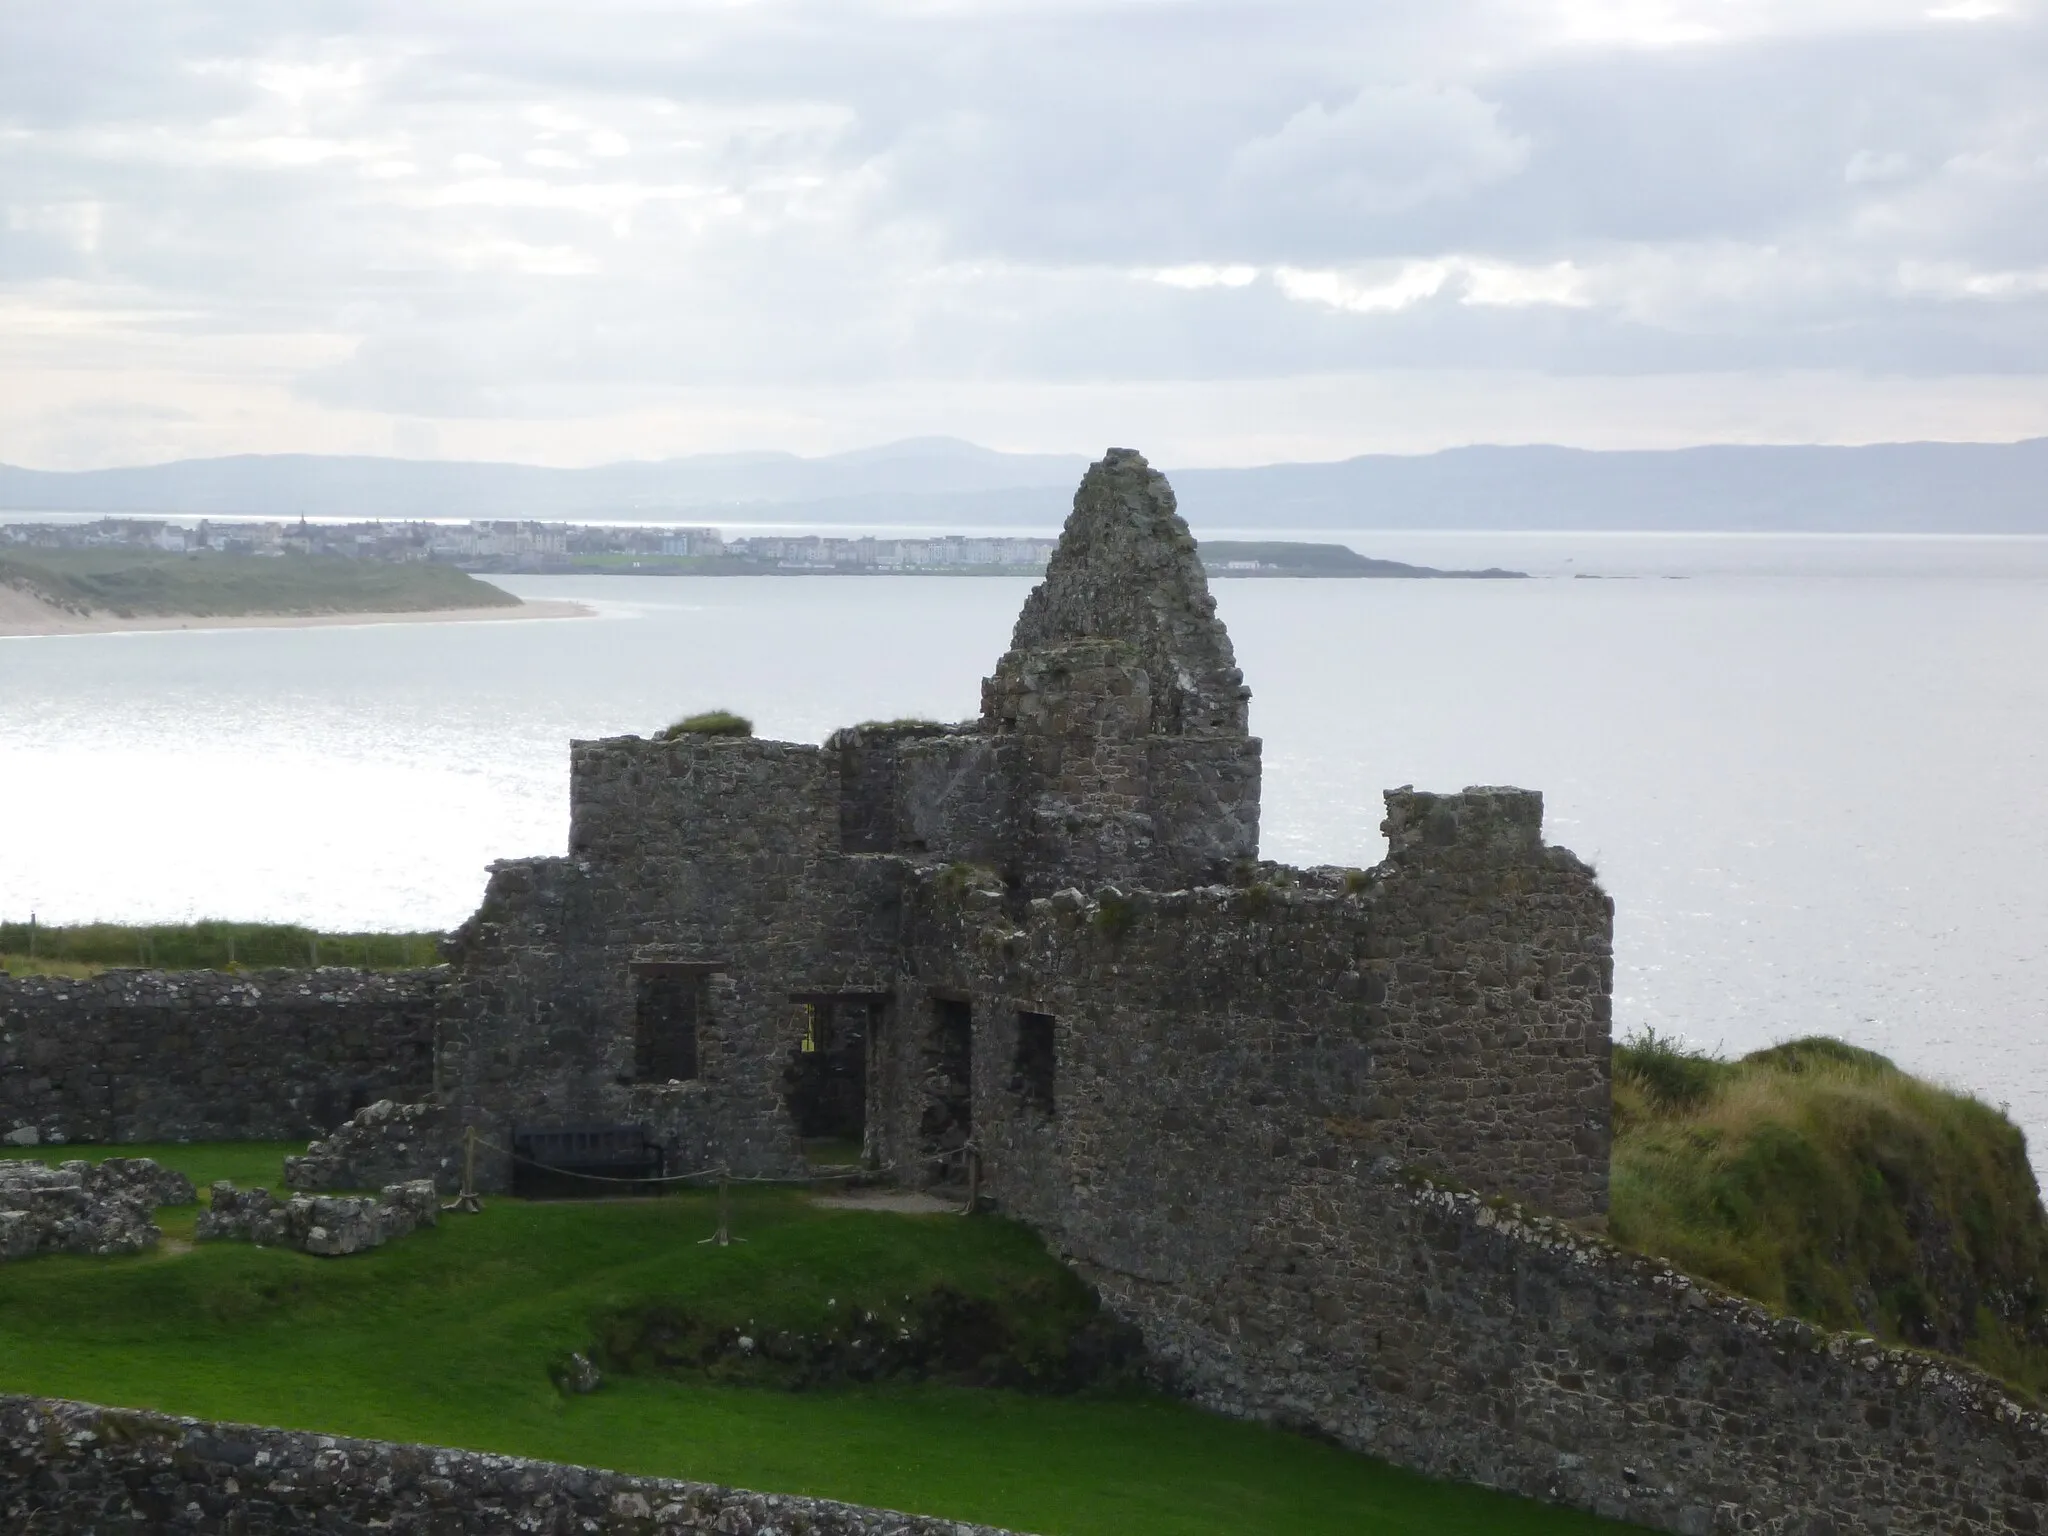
<point>1812,770</point>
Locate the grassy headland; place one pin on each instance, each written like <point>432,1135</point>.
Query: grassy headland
<point>1823,1181</point>
<point>448,1337</point>
<point>134,583</point>
<point>1282,557</point>
<point>89,948</point>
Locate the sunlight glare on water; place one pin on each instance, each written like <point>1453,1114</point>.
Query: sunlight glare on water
<point>1810,777</point>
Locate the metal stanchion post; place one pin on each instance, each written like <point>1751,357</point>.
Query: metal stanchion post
<point>973,1179</point>
<point>723,1237</point>
<point>469,1200</point>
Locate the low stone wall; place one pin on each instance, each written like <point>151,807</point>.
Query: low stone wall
<point>80,1207</point>
<point>1470,1342</point>
<point>209,1055</point>
<point>327,1226</point>
<point>73,1467</point>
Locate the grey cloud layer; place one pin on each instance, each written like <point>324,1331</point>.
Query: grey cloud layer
<point>527,210</point>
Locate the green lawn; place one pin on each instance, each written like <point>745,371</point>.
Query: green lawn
<point>446,1336</point>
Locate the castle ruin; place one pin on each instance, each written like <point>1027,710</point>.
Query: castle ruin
<point>1290,1122</point>
<point>1045,932</point>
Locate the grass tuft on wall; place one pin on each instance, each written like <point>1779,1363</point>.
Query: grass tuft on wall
<point>712,722</point>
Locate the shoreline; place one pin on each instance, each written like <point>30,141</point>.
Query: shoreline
<point>23,616</point>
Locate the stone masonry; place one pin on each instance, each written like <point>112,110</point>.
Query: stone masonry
<point>382,1144</point>
<point>71,1467</point>
<point>329,1226</point>
<point>1287,1120</point>
<point>80,1207</point>
<point>206,1055</point>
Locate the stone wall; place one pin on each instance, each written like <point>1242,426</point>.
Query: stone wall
<point>1449,1009</point>
<point>1126,568</point>
<point>73,1467</point>
<point>1119,713</point>
<point>1250,1086</point>
<point>132,1056</point>
<point>717,858</point>
<point>1465,1340</point>
<point>327,1226</point>
<point>98,1208</point>
<point>954,801</point>
<point>870,788</point>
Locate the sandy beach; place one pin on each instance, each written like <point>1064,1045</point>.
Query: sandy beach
<point>23,614</point>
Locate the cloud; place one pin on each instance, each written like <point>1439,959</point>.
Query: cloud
<point>464,212</point>
<point>1384,151</point>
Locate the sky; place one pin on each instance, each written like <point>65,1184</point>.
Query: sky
<point>1224,232</point>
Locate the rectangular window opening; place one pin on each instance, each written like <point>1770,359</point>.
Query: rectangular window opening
<point>1036,1064</point>
<point>666,1010</point>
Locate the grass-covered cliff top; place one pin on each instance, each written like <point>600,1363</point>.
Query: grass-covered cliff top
<point>132,583</point>
<point>1822,1180</point>
<point>89,948</point>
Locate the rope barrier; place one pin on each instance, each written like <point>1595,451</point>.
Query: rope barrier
<point>471,1202</point>
<point>720,1168</point>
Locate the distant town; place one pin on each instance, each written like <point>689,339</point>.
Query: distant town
<point>535,548</point>
<point>544,548</point>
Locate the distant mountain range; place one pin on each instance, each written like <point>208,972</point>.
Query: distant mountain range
<point>945,483</point>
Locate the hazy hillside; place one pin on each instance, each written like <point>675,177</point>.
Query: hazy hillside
<point>287,485</point>
<point>1889,487</point>
<point>943,483</point>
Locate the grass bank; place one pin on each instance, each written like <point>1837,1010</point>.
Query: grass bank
<point>132,583</point>
<point>85,949</point>
<point>1822,1180</point>
<point>448,1336</point>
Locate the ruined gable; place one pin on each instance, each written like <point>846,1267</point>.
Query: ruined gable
<point>1126,571</point>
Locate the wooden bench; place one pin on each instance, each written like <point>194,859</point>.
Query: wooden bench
<point>560,1161</point>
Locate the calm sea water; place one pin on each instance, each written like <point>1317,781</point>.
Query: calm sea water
<point>1810,770</point>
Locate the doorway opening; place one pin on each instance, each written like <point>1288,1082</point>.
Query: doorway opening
<point>947,1122</point>
<point>827,1076</point>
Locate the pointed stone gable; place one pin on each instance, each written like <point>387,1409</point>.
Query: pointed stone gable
<point>1126,570</point>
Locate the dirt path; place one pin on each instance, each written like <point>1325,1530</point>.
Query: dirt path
<point>907,1202</point>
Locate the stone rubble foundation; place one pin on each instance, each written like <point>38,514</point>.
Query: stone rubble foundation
<point>329,1226</point>
<point>81,1207</point>
<point>386,1143</point>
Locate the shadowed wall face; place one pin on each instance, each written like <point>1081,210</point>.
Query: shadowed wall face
<point>132,1056</point>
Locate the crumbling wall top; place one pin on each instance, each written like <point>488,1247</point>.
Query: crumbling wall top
<point>1484,820</point>
<point>1126,569</point>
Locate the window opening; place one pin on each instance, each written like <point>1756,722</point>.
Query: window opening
<point>1035,1066</point>
<point>666,1010</point>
